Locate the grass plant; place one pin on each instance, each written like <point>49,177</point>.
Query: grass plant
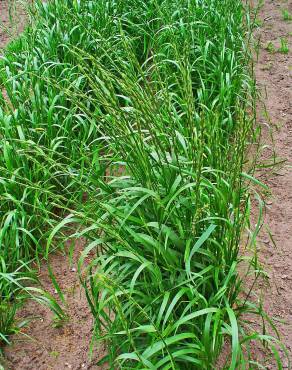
<point>131,122</point>
<point>270,47</point>
<point>286,15</point>
<point>284,48</point>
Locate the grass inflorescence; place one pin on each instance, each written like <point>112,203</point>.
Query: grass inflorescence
<point>129,123</point>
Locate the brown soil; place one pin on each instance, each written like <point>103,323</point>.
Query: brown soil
<point>274,76</point>
<point>49,347</point>
<point>12,20</point>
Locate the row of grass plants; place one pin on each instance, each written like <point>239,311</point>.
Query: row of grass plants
<point>127,124</point>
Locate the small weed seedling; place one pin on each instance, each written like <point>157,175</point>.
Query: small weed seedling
<point>258,22</point>
<point>284,48</point>
<point>287,16</point>
<point>267,66</point>
<point>270,47</point>
<point>55,354</point>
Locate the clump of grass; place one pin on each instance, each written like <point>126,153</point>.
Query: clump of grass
<point>284,48</point>
<point>287,16</point>
<point>270,47</point>
<point>258,22</point>
<point>44,144</point>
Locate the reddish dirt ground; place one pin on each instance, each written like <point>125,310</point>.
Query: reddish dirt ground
<point>12,20</point>
<point>67,347</point>
<point>274,77</point>
<point>49,347</point>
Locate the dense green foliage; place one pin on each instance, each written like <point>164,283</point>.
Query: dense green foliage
<point>131,120</point>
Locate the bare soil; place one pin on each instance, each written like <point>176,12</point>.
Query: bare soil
<point>12,21</point>
<point>47,347</point>
<point>274,77</point>
<point>43,346</point>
